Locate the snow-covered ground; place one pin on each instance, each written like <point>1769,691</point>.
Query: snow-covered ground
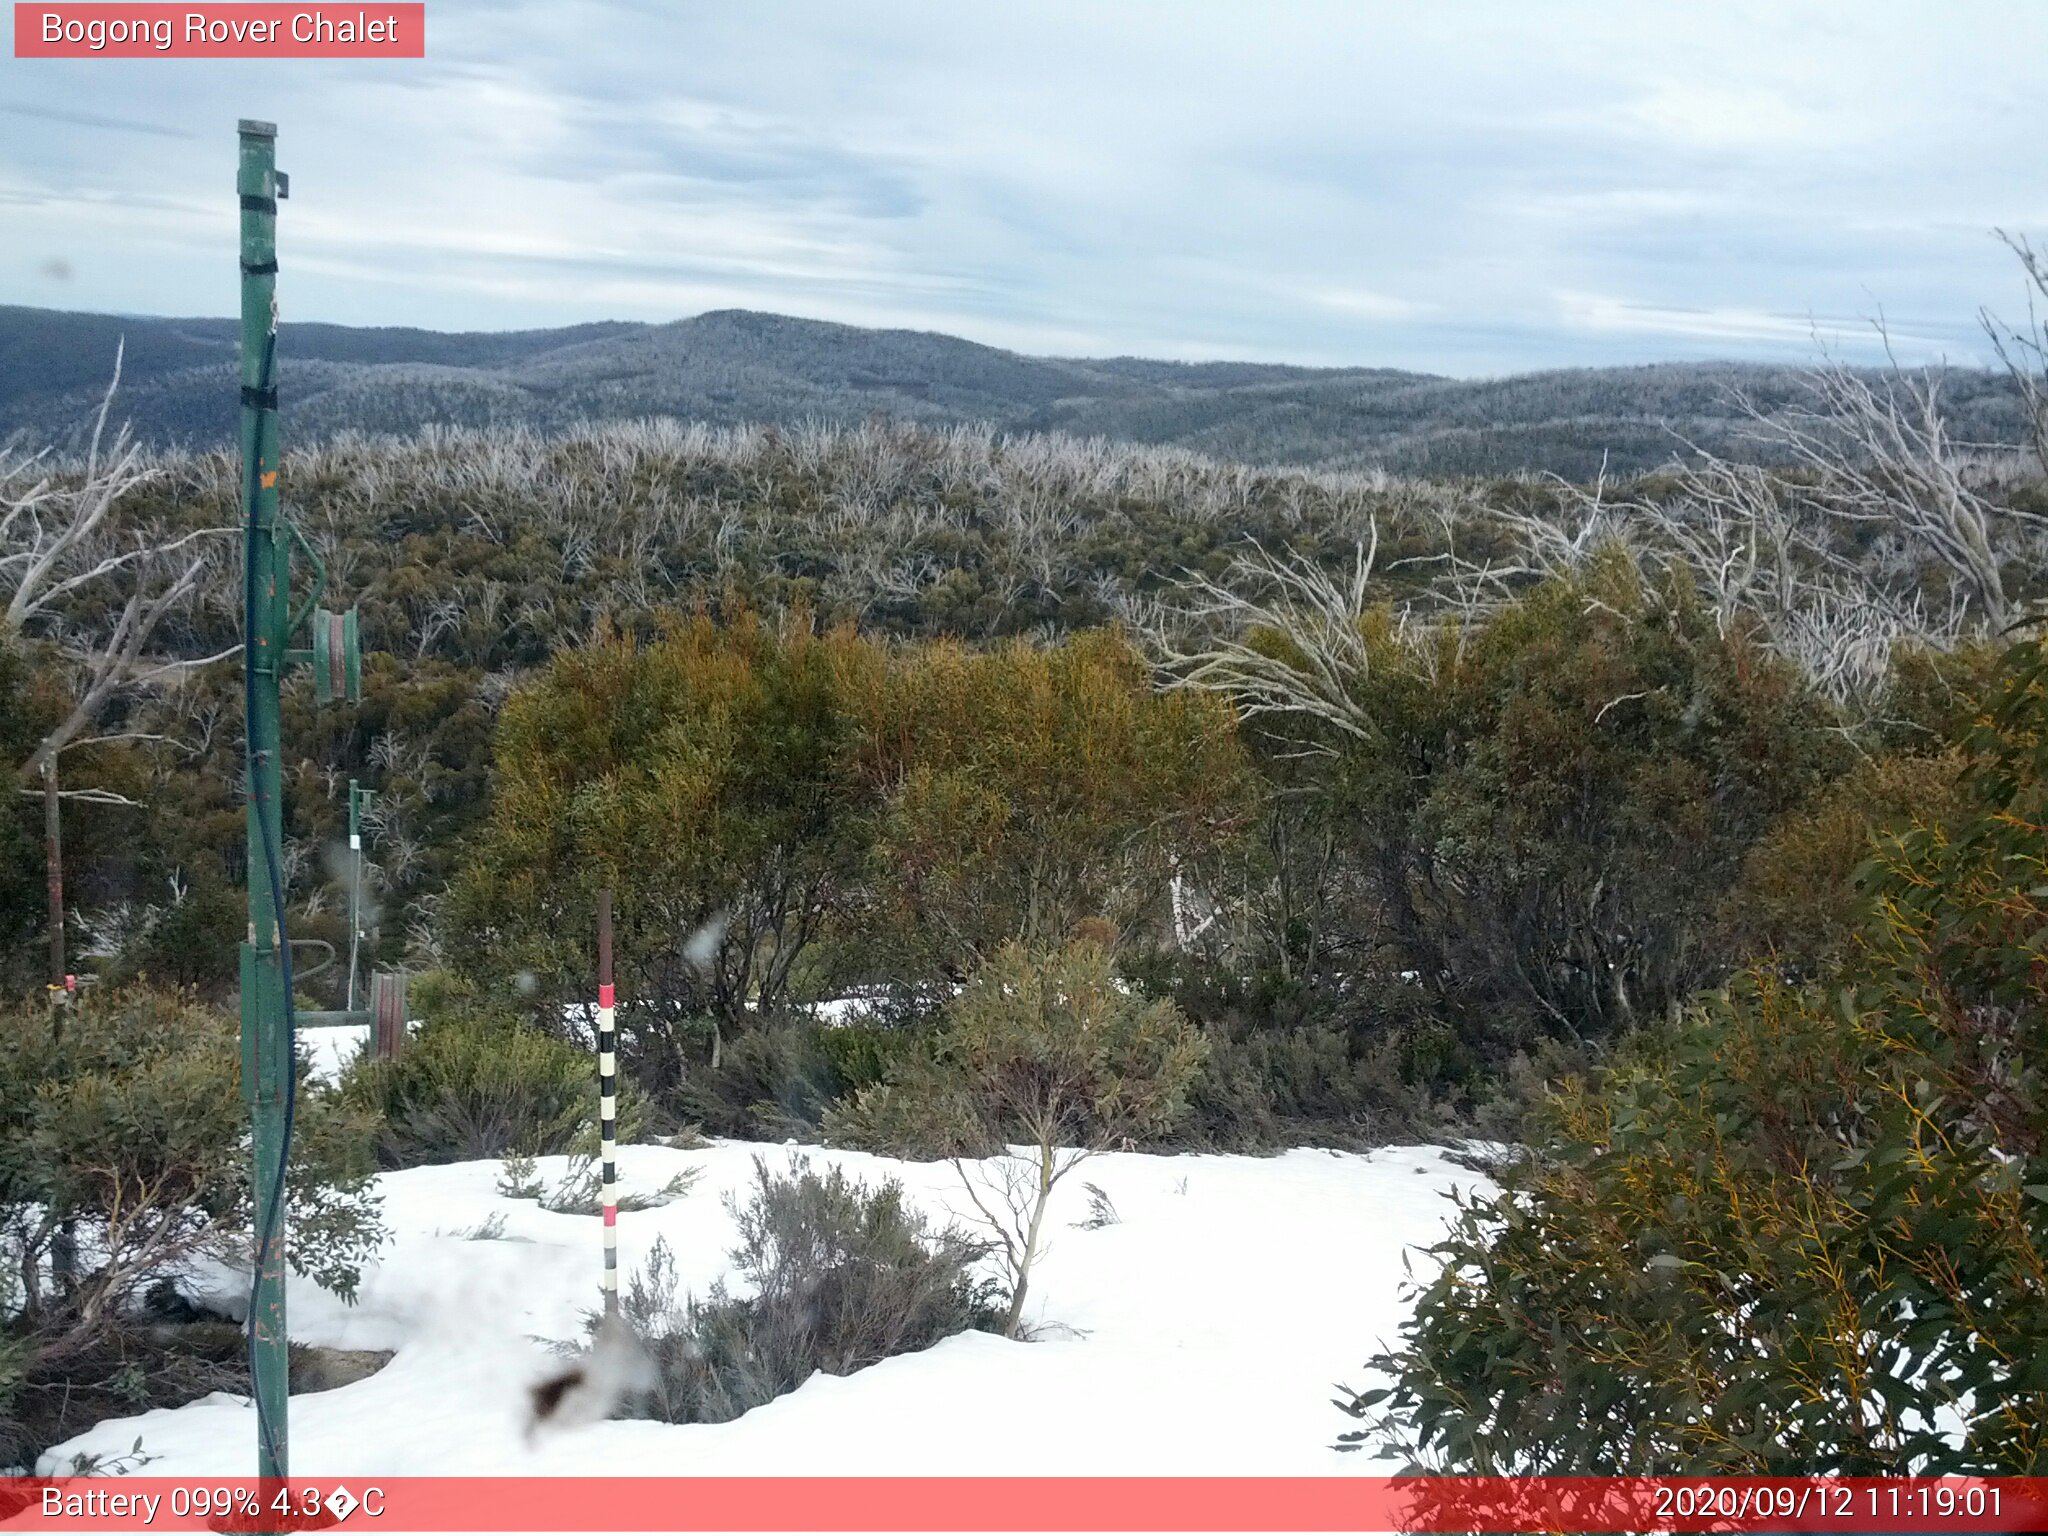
<point>1201,1334</point>
<point>331,1047</point>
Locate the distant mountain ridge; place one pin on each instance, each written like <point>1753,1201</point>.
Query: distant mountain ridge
<point>733,366</point>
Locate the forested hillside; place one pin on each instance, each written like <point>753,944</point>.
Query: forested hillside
<point>734,367</point>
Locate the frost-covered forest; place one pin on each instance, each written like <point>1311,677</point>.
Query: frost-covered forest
<point>737,368</point>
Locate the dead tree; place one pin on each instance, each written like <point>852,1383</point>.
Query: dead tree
<point>62,547</point>
<point>1868,525</point>
<point>2023,349</point>
<point>1877,449</point>
<point>1297,648</point>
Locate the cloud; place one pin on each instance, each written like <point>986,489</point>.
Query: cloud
<point>1475,189</point>
<point>93,120</point>
<point>1598,312</point>
<point>1366,303</point>
<point>1711,115</point>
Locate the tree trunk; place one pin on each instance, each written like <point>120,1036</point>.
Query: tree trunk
<point>1016,1317</point>
<point>64,1249</point>
<point>53,858</point>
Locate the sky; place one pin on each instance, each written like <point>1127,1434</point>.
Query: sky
<point>1458,186</point>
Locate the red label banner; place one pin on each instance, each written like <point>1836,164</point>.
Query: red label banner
<point>102,31</point>
<point>1427,1504</point>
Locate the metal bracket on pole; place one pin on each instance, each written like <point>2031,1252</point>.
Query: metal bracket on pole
<point>337,657</point>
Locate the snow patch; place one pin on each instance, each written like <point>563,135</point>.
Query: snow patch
<point>1199,1335</point>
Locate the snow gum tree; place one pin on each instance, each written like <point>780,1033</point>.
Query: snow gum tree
<point>785,813</point>
<point>1026,790</point>
<point>703,776</point>
<point>1804,1230</point>
<point>86,586</point>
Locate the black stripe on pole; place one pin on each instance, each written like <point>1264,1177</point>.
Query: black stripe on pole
<point>259,205</point>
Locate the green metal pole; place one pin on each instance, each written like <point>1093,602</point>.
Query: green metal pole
<point>266,1048</point>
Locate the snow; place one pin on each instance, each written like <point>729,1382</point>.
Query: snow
<point>331,1047</point>
<point>1200,1335</point>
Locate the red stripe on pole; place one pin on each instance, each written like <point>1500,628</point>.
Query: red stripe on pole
<point>1425,1504</point>
<point>611,1215</point>
<point>605,999</point>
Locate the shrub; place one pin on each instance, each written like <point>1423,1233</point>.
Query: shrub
<point>581,1189</point>
<point>1260,1090</point>
<point>128,1125</point>
<point>194,942</point>
<point>1291,1064</point>
<point>705,777</point>
<point>782,811</point>
<point>839,1276</point>
<point>1528,821</point>
<point>861,1054</point>
<point>1796,902</point>
<point>906,1120</point>
<point>478,1082</point>
<point>1027,790</point>
<point>1045,1048</point>
<point>1805,1230</point>
<point>781,1080</point>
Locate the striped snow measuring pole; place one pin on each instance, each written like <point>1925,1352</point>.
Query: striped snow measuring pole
<point>608,1099</point>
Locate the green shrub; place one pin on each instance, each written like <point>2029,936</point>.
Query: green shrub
<point>1802,1230</point>
<point>1528,822</point>
<point>1289,1065</point>
<point>1261,1090</point>
<point>862,1054</point>
<point>1796,902</point>
<point>904,1120</point>
<point>128,1125</point>
<point>781,1080</point>
<point>837,1276</point>
<point>194,942</point>
<point>1047,1048</point>
<point>580,1191</point>
<point>705,776</point>
<point>478,1082</point>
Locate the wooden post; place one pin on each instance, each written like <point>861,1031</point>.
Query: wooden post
<point>387,999</point>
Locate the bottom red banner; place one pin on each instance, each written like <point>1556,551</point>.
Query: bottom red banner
<point>1424,1504</point>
